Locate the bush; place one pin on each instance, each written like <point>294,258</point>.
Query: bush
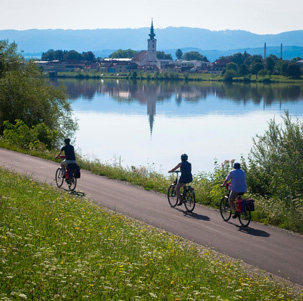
<point>36,137</point>
<point>276,161</point>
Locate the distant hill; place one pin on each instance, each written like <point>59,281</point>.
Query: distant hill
<point>103,42</point>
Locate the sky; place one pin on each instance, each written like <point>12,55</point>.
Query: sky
<point>257,16</point>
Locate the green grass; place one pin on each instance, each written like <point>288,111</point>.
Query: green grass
<point>55,245</point>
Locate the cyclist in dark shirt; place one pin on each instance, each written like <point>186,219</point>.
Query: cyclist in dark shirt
<point>186,175</point>
<point>69,152</point>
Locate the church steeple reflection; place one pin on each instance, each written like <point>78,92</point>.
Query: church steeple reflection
<point>151,112</point>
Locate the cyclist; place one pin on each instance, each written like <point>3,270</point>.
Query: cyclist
<point>186,176</point>
<point>69,152</point>
<point>238,185</point>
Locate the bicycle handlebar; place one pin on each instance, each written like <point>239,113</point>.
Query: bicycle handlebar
<point>176,171</point>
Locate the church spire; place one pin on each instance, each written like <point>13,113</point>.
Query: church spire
<point>152,34</point>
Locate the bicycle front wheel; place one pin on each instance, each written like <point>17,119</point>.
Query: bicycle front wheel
<point>245,217</point>
<point>171,196</point>
<point>59,177</point>
<point>225,209</point>
<point>190,201</point>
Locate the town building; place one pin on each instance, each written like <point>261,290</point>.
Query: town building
<point>148,58</point>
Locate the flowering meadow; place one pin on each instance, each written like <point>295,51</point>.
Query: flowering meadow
<point>55,245</point>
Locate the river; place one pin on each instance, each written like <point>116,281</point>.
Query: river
<point>151,124</point>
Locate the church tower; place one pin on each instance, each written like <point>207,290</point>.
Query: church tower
<point>152,46</point>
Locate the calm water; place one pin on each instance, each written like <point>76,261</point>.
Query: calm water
<point>151,124</point>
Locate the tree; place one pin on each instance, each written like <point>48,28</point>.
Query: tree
<point>194,56</point>
<point>9,59</point>
<point>72,55</point>
<point>270,63</point>
<point>232,66</point>
<point>49,55</point>
<point>281,67</point>
<point>293,70</point>
<point>256,68</point>
<point>88,56</point>
<point>123,54</point>
<point>243,70</point>
<point>162,56</point>
<point>25,94</point>
<point>229,74</point>
<point>179,54</point>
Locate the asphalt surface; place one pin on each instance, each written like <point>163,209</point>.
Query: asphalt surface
<point>276,251</point>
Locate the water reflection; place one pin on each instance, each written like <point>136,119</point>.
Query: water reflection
<point>204,119</point>
<point>123,90</point>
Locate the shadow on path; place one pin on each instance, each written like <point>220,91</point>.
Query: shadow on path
<point>254,232</point>
<point>77,193</point>
<point>194,215</point>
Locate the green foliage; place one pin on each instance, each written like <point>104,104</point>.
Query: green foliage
<point>256,67</point>
<point>65,55</point>
<point>179,54</point>
<point>194,56</point>
<point>293,70</point>
<point>10,60</point>
<point>229,75</point>
<point>37,137</point>
<point>243,70</point>
<point>26,95</point>
<point>270,62</point>
<point>161,55</point>
<point>276,161</point>
<point>123,54</point>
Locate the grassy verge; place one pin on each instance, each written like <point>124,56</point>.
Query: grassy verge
<point>58,246</point>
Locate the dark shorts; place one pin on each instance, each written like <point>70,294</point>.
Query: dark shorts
<point>233,195</point>
<point>185,180</point>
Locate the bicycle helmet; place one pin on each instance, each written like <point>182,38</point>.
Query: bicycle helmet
<point>67,141</point>
<point>237,166</point>
<point>184,157</point>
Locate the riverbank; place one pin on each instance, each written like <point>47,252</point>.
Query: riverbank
<point>173,76</point>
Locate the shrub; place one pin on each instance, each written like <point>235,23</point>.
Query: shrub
<point>276,161</point>
<point>36,137</point>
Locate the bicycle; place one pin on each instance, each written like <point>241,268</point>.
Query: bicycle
<point>189,198</point>
<point>70,177</point>
<point>243,206</point>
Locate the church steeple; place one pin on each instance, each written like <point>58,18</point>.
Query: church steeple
<point>152,34</point>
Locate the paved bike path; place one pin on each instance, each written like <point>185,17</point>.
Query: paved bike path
<point>273,250</point>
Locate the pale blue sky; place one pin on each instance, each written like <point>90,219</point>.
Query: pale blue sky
<point>257,16</point>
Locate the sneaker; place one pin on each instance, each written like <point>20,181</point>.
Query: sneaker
<point>236,215</point>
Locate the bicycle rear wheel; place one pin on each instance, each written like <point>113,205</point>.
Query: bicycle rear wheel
<point>245,217</point>
<point>59,177</point>
<point>72,183</point>
<point>171,196</point>
<point>190,201</point>
<point>225,209</point>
